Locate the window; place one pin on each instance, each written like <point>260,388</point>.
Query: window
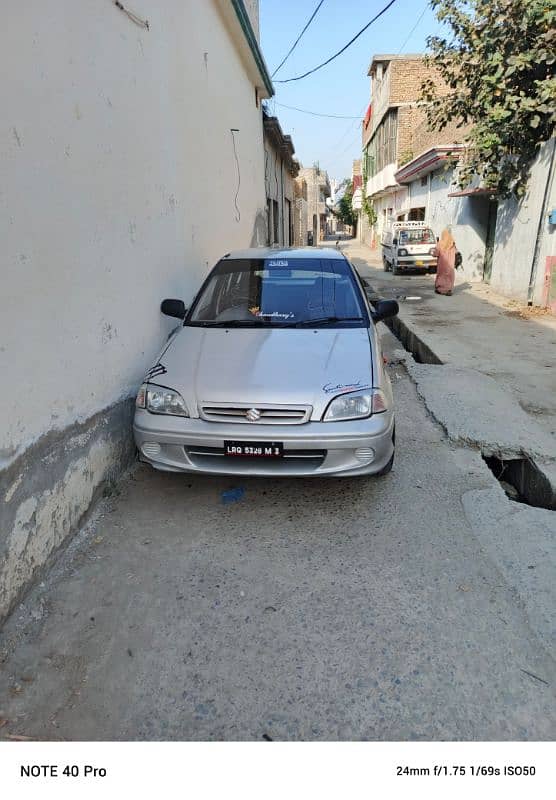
<point>277,292</point>
<point>424,180</point>
<point>416,236</point>
<point>382,147</point>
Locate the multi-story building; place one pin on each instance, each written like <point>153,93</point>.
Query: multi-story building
<point>300,213</point>
<point>395,131</point>
<point>318,189</point>
<point>281,169</point>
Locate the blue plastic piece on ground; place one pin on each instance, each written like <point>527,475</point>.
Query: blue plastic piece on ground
<point>232,495</point>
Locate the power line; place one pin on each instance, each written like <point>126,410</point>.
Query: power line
<point>350,127</point>
<point>422,14</point>
<point>315,113</point>
<point>294,45</point>
<point>344,48</point>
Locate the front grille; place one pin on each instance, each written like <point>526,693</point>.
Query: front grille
<point>268,415</point>
<point>214,458</point>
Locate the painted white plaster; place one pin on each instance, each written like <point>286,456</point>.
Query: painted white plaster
<point>118,184</point>
<point>516,232</point>
<point>382,180</point>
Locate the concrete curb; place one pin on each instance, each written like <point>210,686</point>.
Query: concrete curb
<point>533,468</point>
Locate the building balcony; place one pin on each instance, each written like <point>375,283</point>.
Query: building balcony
<point>383,180</point>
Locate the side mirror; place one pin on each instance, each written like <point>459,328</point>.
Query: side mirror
<point>383,309</point>
<point>173,308</point>
<point>394,242</point>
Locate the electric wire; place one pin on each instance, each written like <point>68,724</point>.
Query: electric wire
<point>351,126</point>
<point>294,45</point>
<point>409,35</point>
<point>316,113</point>
<point>344,48</point>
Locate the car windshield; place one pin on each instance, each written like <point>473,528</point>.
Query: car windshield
<point>416,236</point>
<point>279,292</point>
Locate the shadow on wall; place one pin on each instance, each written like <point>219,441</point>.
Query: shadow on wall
<point>259,235</point>
<point>473,213</point>
<point>524,212</point>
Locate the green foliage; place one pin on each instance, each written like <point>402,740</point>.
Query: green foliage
<point>368,209</point>
<point>499,67</point>
<point>405,157</point>
<point>345,211</point>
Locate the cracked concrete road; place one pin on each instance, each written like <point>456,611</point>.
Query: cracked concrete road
<point>325,609</point>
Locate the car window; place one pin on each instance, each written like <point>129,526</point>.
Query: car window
<point>280,292</point>
<point>416,236</point>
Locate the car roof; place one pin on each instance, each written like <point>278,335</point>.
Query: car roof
<point>285,252</point>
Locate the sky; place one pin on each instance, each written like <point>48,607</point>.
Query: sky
<point>343,86</point>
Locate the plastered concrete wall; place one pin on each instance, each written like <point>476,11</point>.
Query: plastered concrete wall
<point>466,217</point>
<point>118,185</point>
<point>279,186</point>
<point>517,227</point>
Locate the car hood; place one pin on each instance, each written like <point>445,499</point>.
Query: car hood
<point>254,366</point>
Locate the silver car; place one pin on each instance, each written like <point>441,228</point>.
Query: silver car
<point>275,369</point>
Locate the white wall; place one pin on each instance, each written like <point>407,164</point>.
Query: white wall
<point>118,183</point>
<point>466,217</point>
<point>117,190</point>
<point>382,179</point>
<point>516,232</point>
<point>278,187</point>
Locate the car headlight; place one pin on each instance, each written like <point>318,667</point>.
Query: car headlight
<point>432,251</point>
<point>159,400</point>
<point>356,405</point>
<point>402,251</point>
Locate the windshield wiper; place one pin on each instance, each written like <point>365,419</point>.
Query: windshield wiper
<point>321,320</point>
<point>233,323</point>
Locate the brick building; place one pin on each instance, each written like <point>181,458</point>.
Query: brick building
<point>318,189</point>
<point>395,131</point>
<point>300,212</point>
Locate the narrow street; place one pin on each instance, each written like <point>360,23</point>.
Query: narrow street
<point>364,608</point>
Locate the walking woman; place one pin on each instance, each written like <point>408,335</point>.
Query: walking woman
<point>445,252</point>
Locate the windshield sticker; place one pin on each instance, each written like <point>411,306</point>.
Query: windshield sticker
<point>278,263</point>
<point>341,388</point>
<point>158,369</point>
<point>256,311</point>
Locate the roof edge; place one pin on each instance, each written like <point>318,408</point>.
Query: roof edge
<point>249,34</point>
<point>427,162</point>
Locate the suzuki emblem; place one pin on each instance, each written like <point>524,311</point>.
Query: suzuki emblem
<point>253,415</point>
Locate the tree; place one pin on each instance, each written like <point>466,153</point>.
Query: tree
<point>345,212</point>
<point>498,64</point>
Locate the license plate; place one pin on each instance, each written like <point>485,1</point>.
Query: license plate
<point>254,449</point>
<point>419,263</point>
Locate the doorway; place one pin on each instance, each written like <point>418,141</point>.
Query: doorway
<point>490,238</point>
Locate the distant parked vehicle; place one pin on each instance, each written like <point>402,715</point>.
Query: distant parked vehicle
<point>408,245</point>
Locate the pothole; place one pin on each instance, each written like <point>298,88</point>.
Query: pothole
<point>522,481</point>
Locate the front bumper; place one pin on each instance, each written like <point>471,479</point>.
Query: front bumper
<point>410,262</point>
<point>176,444</point>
